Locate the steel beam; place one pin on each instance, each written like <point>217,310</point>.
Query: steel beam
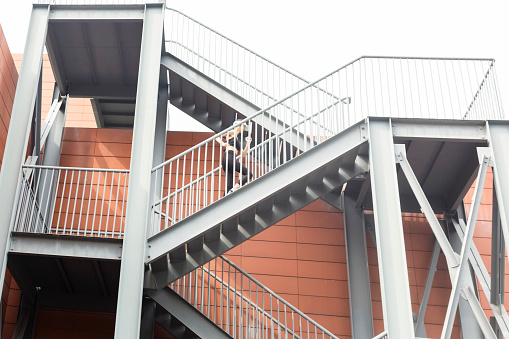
<point>90,12</point>
<point>19,128</point>
<point>479,314</point>
<point>51,157</point>
<point>66,246</point>
<point>187,314</point>
<point>127,322</point>
<point>450,255</point>
<point>459,275</point>
<point>500,313</point>
<point>497,259</point>
<point>361,315</point>
<point>419,325</point>
<point>439,130</point>
<point>394,284</point>
<point>468,325</point>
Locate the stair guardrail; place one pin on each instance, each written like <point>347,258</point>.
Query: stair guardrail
<point>394,87</point>
<point>242,306</point>
<point>250,75</point>
<point>72,201</point>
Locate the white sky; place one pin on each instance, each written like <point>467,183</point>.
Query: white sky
<point>317,37</point>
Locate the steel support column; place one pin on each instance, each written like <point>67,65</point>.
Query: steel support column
<point>459,274</point>
<point>127,322</point>
<point>499,139</point>
<point>392,263</point>
<point>361,315</point>
<point>19,128</point>
<point>497,259</point>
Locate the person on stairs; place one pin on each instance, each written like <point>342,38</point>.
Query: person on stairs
<point>234,143</point>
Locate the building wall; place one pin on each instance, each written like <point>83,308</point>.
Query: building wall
<point>79,110</point>
<point>8,79</point>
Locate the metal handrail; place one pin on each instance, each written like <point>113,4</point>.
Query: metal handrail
<point>72,200</point>
<point>391,87</point>
<point>251,117</point>
<point>236,43</point>
<point>268,290</point>
<point>243,299</point>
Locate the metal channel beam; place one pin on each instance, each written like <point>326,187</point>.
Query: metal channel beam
<point>439,130</point>
<point>66,246</point>
<point>394,284</point>
<point>187,314</point>
<point>361,315</point>
<point>127,322</point>
<point>19,128</point>
<point>459,275</point>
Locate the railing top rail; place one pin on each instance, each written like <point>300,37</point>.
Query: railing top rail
<point>95,2</point>
<point>76,168</point>
<point>240,45</point>
<point>425,58</point>
<point>293,308</point>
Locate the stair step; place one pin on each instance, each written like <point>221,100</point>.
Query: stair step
<point>214,109</point>
<point>195,244</point>
<point>178,254</point>
<point>200,99</point>
<point>247,215</point>
<point>231,225</point>
<point>212,235</point>
<point>187,92</point>
<point>160,264</point>
<point>265,206</point>
<point>299,187</point>
<point>316,177</point>
<point>283,195</point>
<point>175,85</point>
<point>228,116</point>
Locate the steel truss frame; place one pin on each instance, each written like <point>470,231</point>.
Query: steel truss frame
<point>463,267</point>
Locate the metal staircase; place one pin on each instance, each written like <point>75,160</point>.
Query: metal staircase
<point>309,140</point>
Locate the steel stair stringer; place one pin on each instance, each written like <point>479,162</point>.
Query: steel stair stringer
<point>186,314</point>
<point>230,221</point>
<point>217,107</point>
